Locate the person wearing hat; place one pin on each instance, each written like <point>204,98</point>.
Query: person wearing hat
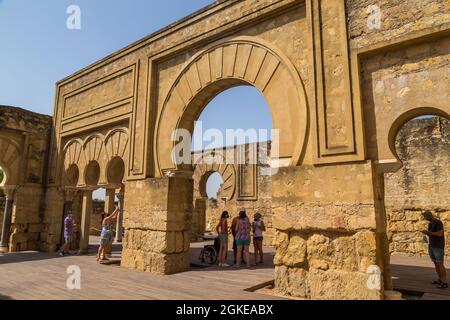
<point>436,247</point>
<point>258,229</point>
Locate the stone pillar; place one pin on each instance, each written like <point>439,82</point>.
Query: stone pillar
<point>198,221</point>
<point>119,221</point>
<point>327,240</point>
<point>7,219</point>
<point>157,233</point>
<point>69,194</point>
<point>85,221</point>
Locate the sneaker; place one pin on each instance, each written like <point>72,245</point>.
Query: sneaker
<point>61,254</point>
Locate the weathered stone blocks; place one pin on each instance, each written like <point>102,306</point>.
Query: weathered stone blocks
<point>324,248</point>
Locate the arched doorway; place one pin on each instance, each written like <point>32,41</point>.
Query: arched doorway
<point>420,144</point>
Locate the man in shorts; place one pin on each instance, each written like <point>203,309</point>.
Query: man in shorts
<point>436,247</point>
<point>69,228</point>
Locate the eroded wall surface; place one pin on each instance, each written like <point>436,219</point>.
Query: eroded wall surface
<point>25,139</point>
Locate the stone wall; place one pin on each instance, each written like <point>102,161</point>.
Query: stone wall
<point>98,206</point>
<point>422,183</point>
<point>2,209</point>
<point>324,247</point>
<point>25,138</point>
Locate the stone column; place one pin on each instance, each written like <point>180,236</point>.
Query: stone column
<point>7,219</point>
<point>85,221</point>
<point>327,244</point>
<point>157,234</point>
<point>119,221</point>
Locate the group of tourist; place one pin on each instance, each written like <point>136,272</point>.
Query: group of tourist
<point>106,234</point>
<point>241,230</point>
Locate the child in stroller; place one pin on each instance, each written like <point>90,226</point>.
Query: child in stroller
<point>210,252</point>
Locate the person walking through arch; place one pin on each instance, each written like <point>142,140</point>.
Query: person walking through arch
<point>258,229</point>
<point>222,231</point>
<point>243,228</point>
<point>106,234</point>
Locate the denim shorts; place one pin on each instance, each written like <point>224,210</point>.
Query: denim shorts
<point>68,238</point>
<point>223,237</point>
<point>436,254</point>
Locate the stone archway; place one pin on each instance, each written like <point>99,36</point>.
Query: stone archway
<point>209,162</point>
<point>229,63</point>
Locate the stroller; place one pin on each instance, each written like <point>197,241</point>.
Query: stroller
<point>210,252</point>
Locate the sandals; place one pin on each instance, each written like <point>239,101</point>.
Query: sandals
<point>436,282</point>
<point>443,285</point>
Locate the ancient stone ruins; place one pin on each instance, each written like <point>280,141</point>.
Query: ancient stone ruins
<point>341,79</point>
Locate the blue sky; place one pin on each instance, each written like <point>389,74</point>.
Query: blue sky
<point>37,50</point>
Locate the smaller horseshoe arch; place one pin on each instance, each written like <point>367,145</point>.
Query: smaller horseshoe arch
<point>203,171</point>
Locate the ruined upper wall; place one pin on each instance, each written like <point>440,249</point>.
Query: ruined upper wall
<point>423,182</point>
<point>399,18</point>
<point>24,144</point>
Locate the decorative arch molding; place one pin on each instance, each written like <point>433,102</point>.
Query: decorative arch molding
<point>99,148</point>
<point>116,143</point>
<point>389,159</point>
<point>72,153</point>
<point>206,165</point>
<point>229,63</point>
<point>10,156</point>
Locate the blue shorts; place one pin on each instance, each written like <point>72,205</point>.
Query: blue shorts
<point>241,243</point>
<point>436,254</point>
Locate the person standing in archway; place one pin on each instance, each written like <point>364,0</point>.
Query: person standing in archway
<point>106,234</point>
<point>243,229</point>
<point>222,231</point>
<point>69,228</point>
<point>436,247</point>
<point>258,229</point>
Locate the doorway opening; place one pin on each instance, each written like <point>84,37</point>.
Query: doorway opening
<point>422,183</point>
<point>237,119</point>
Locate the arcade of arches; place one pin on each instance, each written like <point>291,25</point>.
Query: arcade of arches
<point>338,92</point>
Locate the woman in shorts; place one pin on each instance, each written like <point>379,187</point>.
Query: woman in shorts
<point>258,229</point>
<point>243,238</point>
<point>222,231</point>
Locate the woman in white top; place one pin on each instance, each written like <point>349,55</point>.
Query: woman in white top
<point>258,229</point>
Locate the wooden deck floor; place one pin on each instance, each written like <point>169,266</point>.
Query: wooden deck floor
<point>415,275</point>
<point>42,276</point>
